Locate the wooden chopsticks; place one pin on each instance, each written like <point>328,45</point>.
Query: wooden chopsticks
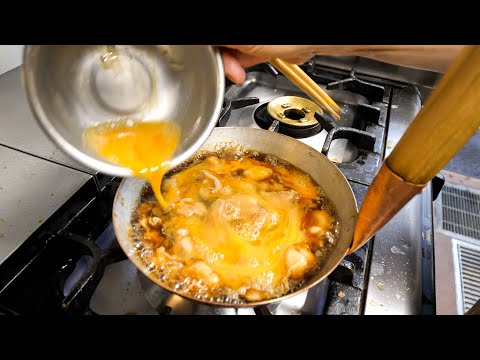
<point>297,76</point>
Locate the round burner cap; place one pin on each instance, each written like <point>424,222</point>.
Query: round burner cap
<point>294,111</point>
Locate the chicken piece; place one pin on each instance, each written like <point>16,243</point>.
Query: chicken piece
<point>302,184</point>
<point>210,186</point>
<point>319,222</point>
<point>248,205</point>
<point>171,190</point>
<point>205,192</point>
<point>161,256</point>
<point>315,230</point>
<point>298,260</point>
<point>200,208</point>
<point>202,271</point>
<point>255,295</point>
<point>151,233</point>
<point>257,173</point>
<point>187,208</point>
<point>224,209</point>
<point>244,186</point>
<point>144,223</point>
<point>216,182</point>
<point>154,221</point>
<point>169,184</point>
<point>183,247</point>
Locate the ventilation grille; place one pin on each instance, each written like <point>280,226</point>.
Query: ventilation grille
<point>466,259</point>
<point>461,211</point>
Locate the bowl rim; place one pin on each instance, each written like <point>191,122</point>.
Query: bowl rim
<point>105,167</point>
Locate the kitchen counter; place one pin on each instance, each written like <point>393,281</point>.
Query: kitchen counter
<point>31,190</point>
<point>20,130</point>
<point>36,178</point>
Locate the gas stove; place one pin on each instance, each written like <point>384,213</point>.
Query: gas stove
<point>73,264</point>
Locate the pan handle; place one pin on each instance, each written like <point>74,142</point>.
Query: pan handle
<point>387,194</point>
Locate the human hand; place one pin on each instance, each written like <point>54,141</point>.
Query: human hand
<point>426,57</point>
<point>238,57</point>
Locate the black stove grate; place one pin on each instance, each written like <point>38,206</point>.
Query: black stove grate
<point>65,266</point>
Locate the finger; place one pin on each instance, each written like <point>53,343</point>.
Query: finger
<point>299,59</point>
<point>233,69</point>
<point>248,49</point>
<point>249,55</point>
<point>247,60</point>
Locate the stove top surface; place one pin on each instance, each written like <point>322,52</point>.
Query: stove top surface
<point>74,265</point>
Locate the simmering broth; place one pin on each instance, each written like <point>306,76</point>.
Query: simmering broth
<point>241,227</point>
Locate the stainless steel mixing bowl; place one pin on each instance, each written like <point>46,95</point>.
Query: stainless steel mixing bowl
<point>71,87</point>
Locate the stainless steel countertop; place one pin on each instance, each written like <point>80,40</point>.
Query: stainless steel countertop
<point>31,190</point>
<point>382,70</point>
<point>395,285</point>
<point>35,176</point>
<point>20,129</point>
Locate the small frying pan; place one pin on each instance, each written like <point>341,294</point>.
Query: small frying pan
<point>322,170</point>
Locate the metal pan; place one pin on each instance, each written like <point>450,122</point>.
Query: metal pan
<point>322,170</point>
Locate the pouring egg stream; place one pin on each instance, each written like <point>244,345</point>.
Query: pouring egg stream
<point>145,147</point>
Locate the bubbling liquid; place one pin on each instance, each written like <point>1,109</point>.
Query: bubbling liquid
<point>240,227</point>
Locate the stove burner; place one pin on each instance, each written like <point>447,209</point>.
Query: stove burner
<point>298,117</point>
<point>294,111</point>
